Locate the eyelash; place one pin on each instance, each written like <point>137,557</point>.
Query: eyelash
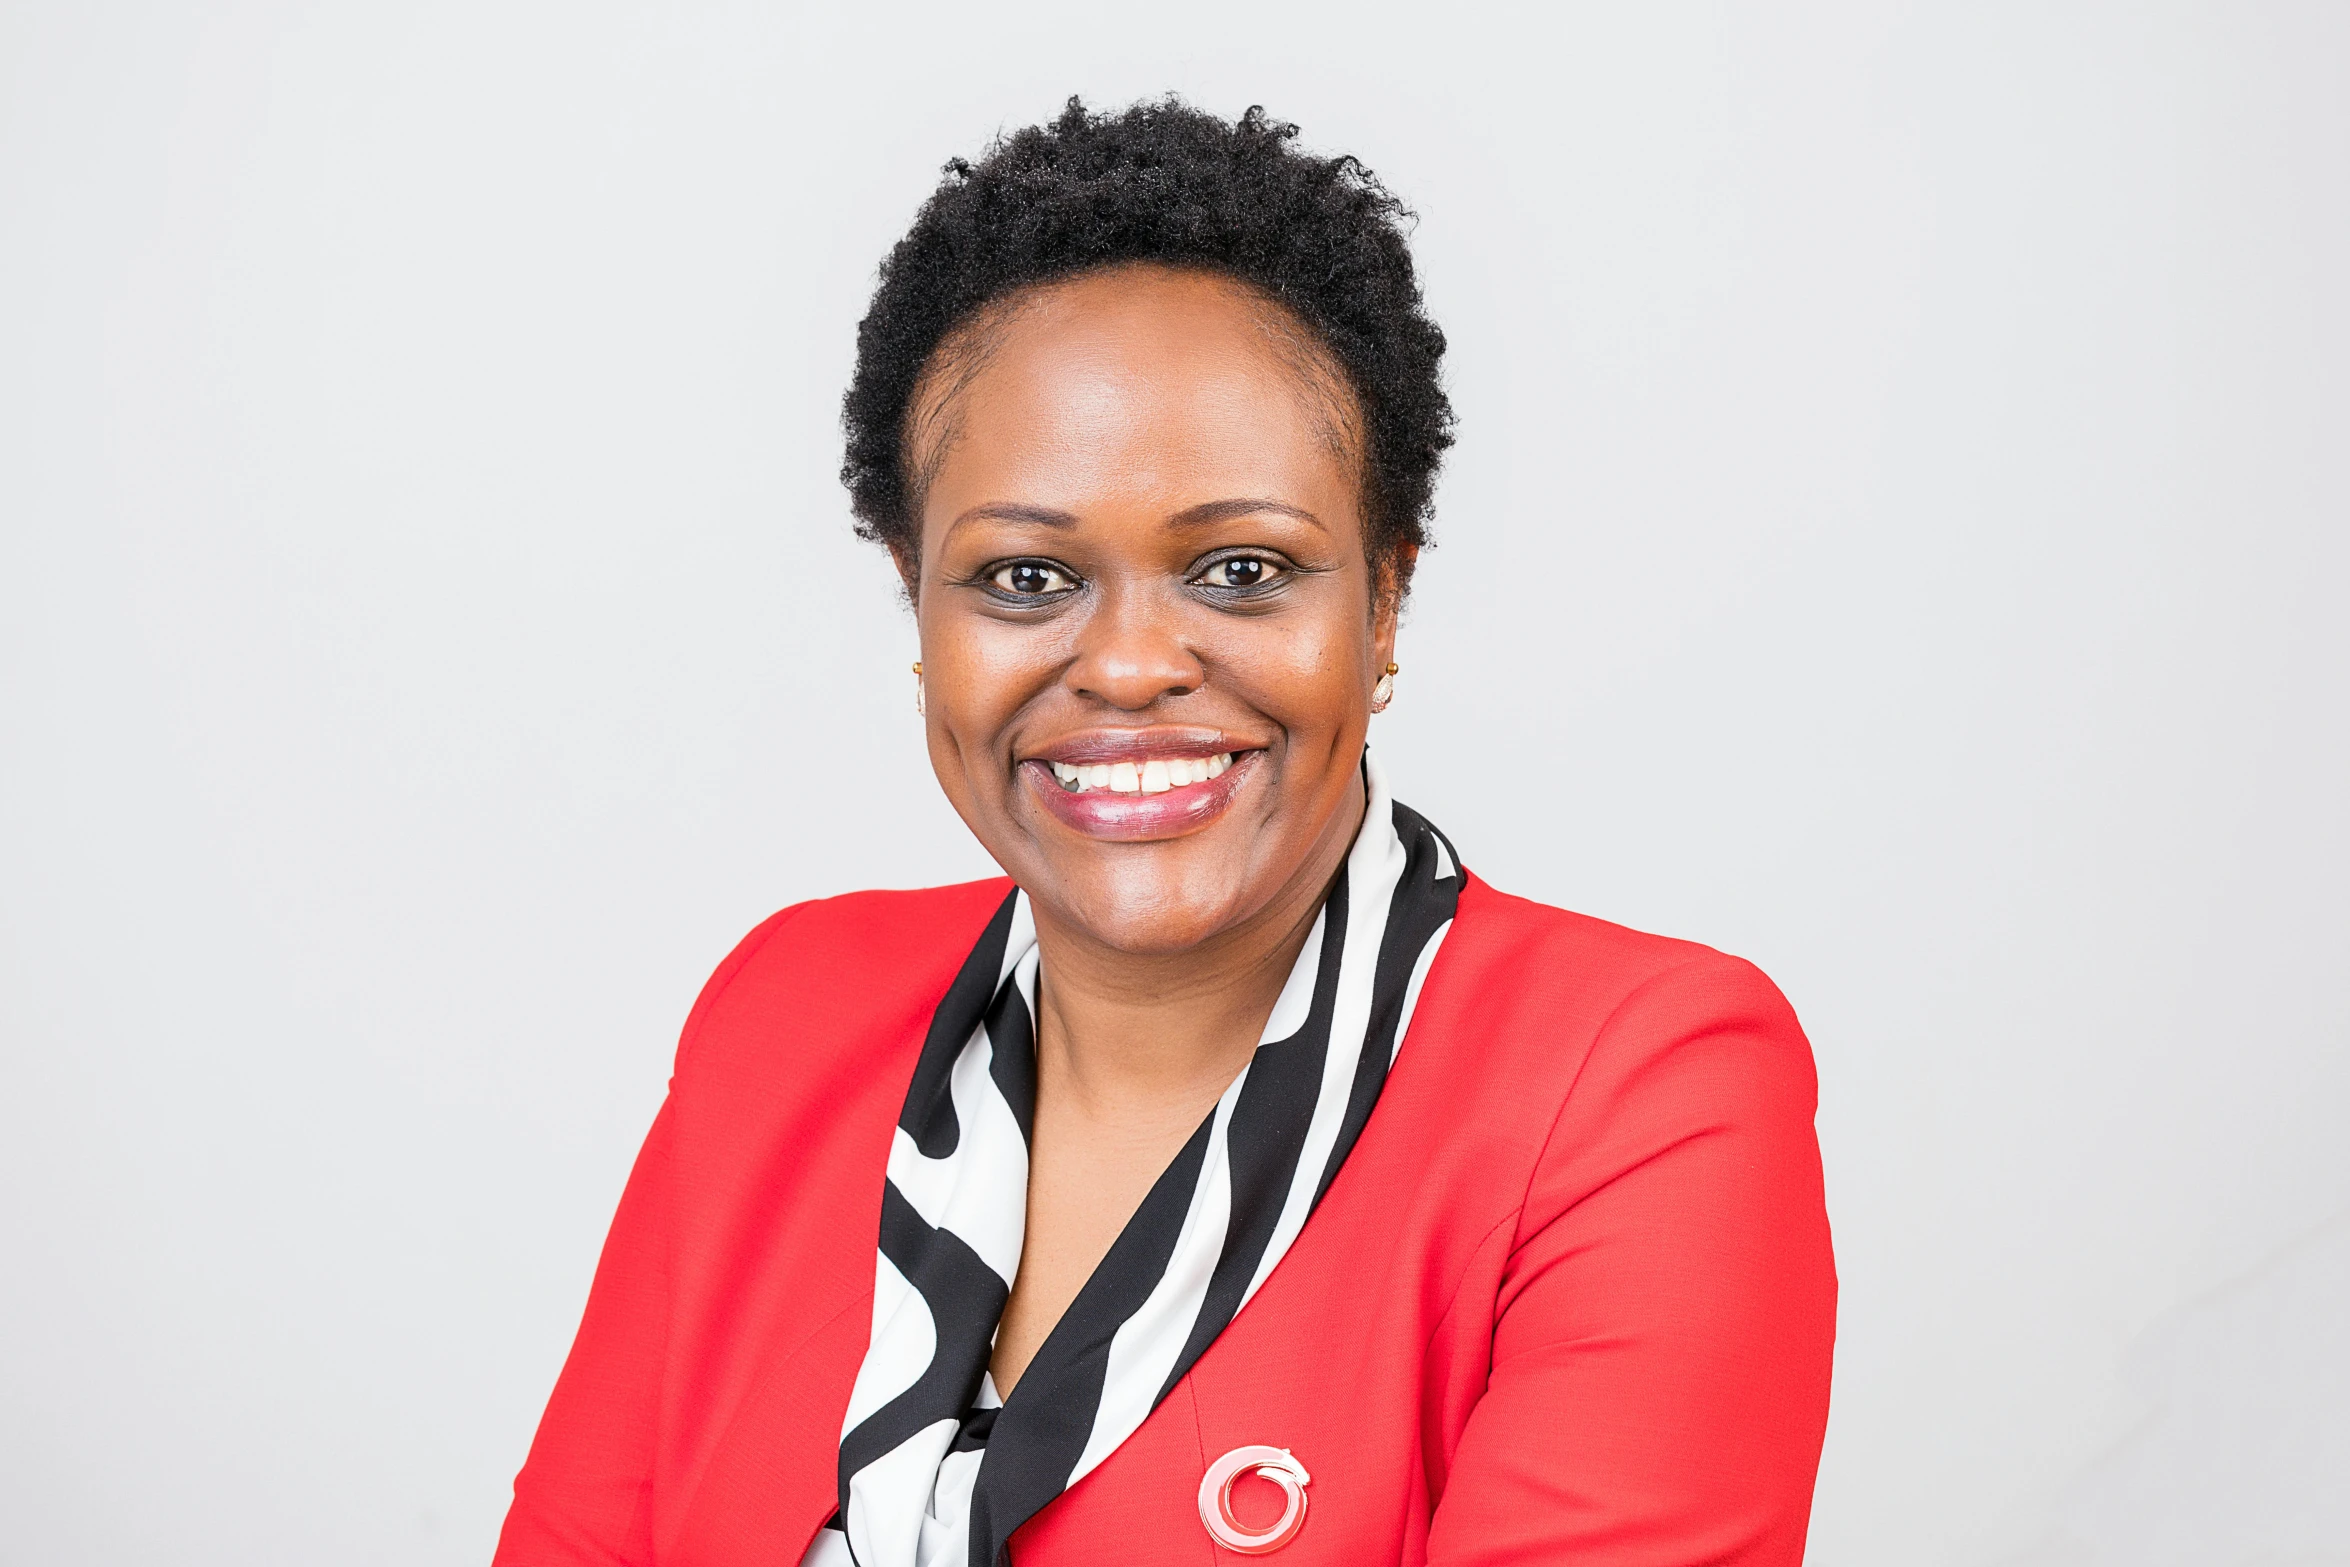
<point>993,578</point>
<point>1277,571</point>
<point>1004,590</point>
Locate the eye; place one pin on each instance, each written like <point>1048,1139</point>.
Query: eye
<point>1030,579</point>
<point>1242,572</point>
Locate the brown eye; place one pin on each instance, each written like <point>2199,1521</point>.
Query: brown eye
<point>1031,579</point>
<point>1242,572</point>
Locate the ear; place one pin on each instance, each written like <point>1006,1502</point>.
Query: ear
<point>909,572</point>
<point>1387,599</point>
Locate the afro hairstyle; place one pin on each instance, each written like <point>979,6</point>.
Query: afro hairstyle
<point>1161,182</point>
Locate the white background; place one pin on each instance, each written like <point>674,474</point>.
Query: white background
<point>1897,534</point>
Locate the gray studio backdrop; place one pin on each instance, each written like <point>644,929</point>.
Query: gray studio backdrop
<point>1897,534</point>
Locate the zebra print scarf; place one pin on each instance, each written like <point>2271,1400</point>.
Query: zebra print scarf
<point>935,1469</point>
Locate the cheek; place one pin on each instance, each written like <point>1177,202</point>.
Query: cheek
<point>1303,674</point>
<point>980,674</point>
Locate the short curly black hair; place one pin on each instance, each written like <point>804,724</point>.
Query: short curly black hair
<point>1166,183</point>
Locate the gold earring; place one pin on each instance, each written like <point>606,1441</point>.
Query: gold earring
<point>919,709</point>
<point>1384,692</point>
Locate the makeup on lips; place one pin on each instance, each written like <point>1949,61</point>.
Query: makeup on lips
<point>1139,785</point>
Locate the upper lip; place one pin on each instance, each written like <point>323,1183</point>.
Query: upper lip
<point>1096,746</point>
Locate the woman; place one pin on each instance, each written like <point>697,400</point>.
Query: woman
<point>1241,1174</point>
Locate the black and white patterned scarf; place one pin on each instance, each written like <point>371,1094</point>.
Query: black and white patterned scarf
<point>935,1469</point>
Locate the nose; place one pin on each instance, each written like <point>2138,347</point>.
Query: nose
<point>1131,655</point>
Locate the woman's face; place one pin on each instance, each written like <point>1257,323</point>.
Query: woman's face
<point>1149,624</point>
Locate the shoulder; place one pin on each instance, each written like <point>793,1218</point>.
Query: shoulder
<point>861,957</point>
<point>1580,1014</point>
<point>1621,1050</point>
<point>1586,972</point>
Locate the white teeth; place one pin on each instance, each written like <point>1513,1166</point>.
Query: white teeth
<point>1156,776</point>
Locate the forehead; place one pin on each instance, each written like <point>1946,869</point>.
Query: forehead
<point>1138,386</point>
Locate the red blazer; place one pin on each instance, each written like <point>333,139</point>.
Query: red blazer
<point>1570,1298</point>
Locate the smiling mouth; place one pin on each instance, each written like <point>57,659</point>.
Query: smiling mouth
<point>1159,775</point>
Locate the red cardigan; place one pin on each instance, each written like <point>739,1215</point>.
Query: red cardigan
<point>1569,1300</point>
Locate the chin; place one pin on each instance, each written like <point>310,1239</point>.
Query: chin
<point>1153,912</point>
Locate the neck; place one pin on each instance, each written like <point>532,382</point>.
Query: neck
<point>1156,1038</point>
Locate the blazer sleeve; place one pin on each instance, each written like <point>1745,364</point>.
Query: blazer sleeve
<point>584,1495</point>
<point>1662,1336</point>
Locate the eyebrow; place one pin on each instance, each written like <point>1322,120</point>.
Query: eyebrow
<point>1199,516</point>
<point>1224,511</point>
<point>1013,511</point>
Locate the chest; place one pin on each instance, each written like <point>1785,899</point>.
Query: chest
<point>1362,1355</point>
<point>1361,1358</point>
<point>1090,1170</point>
